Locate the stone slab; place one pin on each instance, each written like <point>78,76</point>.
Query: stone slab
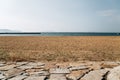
<point>36,78</point>
<point>19,77</point>
<point>13,72</point>
<point>57,77</point>
<point>76,75</point>
<point>59,71</point>
<point>2,76</point>
<point>95,75</point>
<point>37,65</point>
<point>75,68</point>
<point>21,63</point>
<point>24,67</point>
<point>7,67</point>
<point>114,74</point>
<point>40,73</point>
<point>2,64</point>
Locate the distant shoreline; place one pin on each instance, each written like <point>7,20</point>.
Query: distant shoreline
<point>59,34</point>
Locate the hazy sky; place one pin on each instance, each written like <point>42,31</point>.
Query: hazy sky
<point>60,15</point>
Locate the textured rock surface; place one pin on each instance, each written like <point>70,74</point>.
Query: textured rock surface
<point>114,74</point>
<point>8,67</point>
<point>35,78</point>
<point>58,77</point>
<point>76,75</point>
<point>19,77</point>
<point>2,76</point>
<point>95,75</point>
<point>13,72</point>
<point>75,68</point>
<point>59,71</point>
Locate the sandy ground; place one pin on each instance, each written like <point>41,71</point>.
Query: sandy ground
<point>61,49</point>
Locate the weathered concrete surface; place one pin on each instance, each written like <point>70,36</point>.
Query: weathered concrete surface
<point>114,74</point>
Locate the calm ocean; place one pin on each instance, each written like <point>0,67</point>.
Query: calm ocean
<point>59,34</point>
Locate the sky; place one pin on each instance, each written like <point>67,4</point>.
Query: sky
<point>60,15</point>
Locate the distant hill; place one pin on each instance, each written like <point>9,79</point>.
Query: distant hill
<point>8,30</point>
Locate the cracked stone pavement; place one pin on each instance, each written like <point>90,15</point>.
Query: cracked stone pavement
<point>82,70</point>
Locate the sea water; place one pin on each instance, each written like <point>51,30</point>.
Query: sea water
<point>59,34</point>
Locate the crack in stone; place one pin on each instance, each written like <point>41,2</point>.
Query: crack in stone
<point>105,76</point>
<point>84,74</point>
